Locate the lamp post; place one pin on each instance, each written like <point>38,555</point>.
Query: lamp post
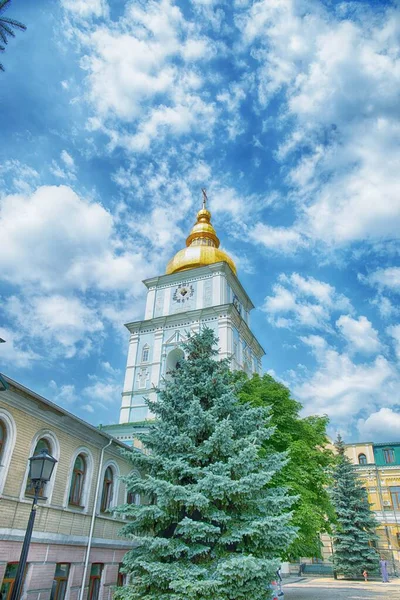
<point>40,472</point>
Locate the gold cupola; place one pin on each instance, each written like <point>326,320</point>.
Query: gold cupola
<point>202,246</point>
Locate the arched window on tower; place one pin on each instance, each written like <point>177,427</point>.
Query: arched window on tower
<point>362,459</point>
<point>145,353</point>
<point>174,359</point>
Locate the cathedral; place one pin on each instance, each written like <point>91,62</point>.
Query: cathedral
<point>200,287</point>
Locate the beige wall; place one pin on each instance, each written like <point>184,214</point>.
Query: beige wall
<point>60,531</point>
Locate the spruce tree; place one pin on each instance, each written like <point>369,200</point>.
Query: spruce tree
<point>212,528</point>
<point>354,532</point>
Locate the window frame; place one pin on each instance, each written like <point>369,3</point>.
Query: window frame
<point>8,423</point>
<point>80,476</point>
<point>106,499</point>
<point>145,353</point>
<point>389,452</point>
<point>11,580</point>
<point>93,579</point>
<point>395,496</point>
<point>59,580</point>
<point>29,489</point>
<point>55,451</point>
<point>362,459</point>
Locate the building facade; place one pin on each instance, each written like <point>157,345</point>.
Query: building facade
<point>75,509</point>
<point>200,288</point>
<point>378,466</point>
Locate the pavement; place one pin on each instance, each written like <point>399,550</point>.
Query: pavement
<point>331,589</point>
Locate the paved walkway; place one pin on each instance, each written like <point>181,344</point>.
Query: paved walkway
<point>329,589</point>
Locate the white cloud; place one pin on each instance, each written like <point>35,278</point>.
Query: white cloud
<point>359,334</point>
<point>137,91</point>
<point>86,8</point>
<point>64,323</point>
<point>394,332</point>
<point>340,74</point>
<point>67,160</point>
<point>16,350</point>
<point>303,301</point>
<point>342,388</point>
<point>88,408</point>
<point>59,241</point>
<point>104,391</point>
<point>388,278</point>
<point>280,239</point>
<point>380,426</point>
<point>64,394</point>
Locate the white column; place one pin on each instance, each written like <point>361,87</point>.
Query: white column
<point>216,289</point>
<point>131,362</point>
<point>151,296</point>
<point>223,337</point>
<point>200,293</point>
<point>156,367</point>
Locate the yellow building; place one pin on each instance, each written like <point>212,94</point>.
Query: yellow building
<point>76,548</point>
<point>378,466</point>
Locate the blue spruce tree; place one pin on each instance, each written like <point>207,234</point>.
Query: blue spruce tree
<point>355,529</point>
<point>211,528</point>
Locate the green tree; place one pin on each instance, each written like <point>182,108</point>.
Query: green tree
<point>307,472</point>
<point>213,527</point>
<point>354,533</point>
<point>7,26</point>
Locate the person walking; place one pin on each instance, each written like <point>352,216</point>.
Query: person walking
<point>365,575</point>
<point>384,570</point>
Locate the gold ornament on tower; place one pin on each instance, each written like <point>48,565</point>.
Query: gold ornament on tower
<point>202,246</point>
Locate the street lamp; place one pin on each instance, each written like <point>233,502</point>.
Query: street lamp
<point>41,467</point>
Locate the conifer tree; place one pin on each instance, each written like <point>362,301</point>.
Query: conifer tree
<point>354,532</point>
<point>212,529</point>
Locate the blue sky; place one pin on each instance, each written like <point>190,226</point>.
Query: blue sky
<point>115,114</point>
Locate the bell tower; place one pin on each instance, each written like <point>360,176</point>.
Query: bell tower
<point>200,287</point>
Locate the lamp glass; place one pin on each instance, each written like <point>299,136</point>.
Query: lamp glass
<point>41,466</point>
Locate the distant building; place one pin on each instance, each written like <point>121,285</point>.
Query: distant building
<point>87,458</point>
<point>378,466</point>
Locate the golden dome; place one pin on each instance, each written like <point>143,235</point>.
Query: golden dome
<point>202,247</point>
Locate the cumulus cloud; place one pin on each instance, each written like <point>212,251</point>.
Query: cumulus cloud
<point>58,240</point>
<point>342,388</point>
<point>381,426</point>
<point>138,93</point>
<point>16,350</point>
<point>303,301</point>
<point>339,74</point>
<point>65,324</point>
<point>280,239</point>
<point>388,278</point>
<point>359,334</point>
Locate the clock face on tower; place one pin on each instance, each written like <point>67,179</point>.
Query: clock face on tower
<point>183,293</point>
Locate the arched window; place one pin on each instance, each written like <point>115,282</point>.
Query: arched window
<point>362,459</point>
<point>145,353</point>
<point>3,437</point>
<point>108,484</point>
<point>77,481</point>
<point>41,444</point>
<point>174,358</point>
